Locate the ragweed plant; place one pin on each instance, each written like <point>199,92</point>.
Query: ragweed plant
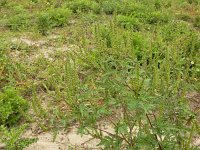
<point>138,87</point>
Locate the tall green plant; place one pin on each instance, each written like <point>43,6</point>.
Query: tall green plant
<point>141,97</point>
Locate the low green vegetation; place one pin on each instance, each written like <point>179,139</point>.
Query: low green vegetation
<point>11,106</point>
<point>12,109</point>
<point>12,138</point>
<point>129,64</point>
<point>52,18</point>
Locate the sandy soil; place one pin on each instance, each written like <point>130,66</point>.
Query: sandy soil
<point>64,141</point>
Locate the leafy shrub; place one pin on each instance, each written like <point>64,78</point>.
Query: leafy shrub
<point>111,6</point>
<point>158,17</point>
<point>138,10</point>
<point>43,23</point>
<point>83,6</point>
<point>105,35</point>
<point>18,9</point>
<point>131,8</point>
<point>128,22</point>
<point>57,17</point>
<point>19,22</point>
<point>90,17</point>
<point>11,106</point>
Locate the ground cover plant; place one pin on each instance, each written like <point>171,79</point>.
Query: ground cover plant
<point>129,65</point>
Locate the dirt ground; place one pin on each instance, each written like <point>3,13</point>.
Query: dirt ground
<point>64,141</point>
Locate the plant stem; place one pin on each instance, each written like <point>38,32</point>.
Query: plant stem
<point>160,147</point>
